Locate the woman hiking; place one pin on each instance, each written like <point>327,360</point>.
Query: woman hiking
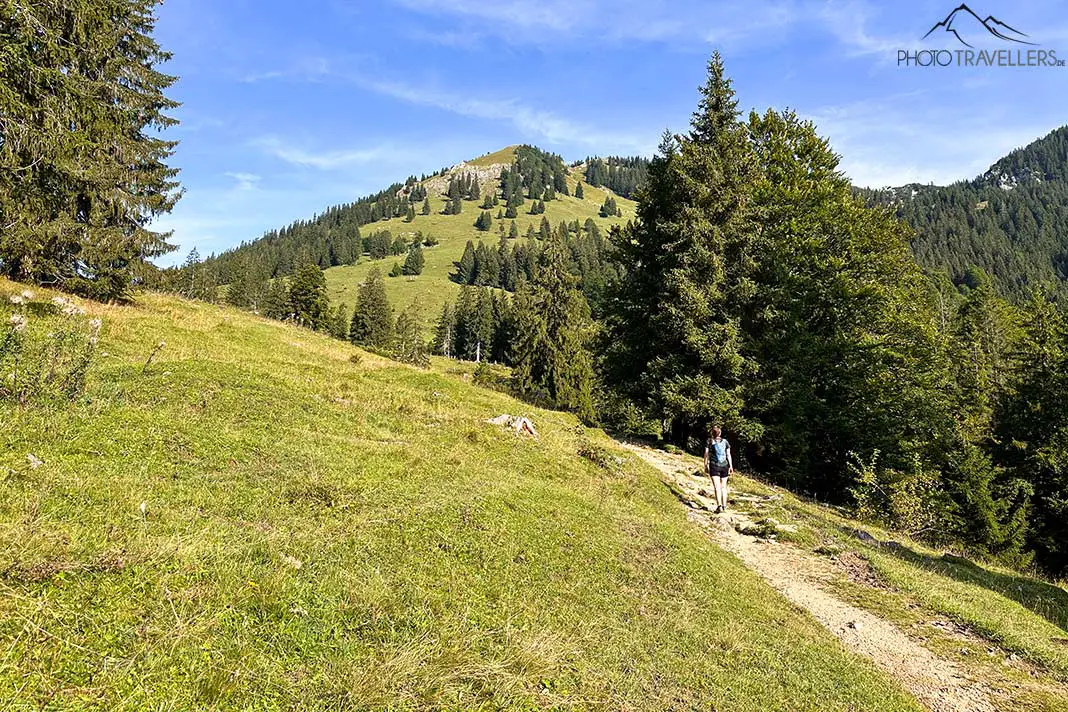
<point>718,465</point>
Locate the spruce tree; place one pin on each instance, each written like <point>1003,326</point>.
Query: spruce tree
<point>513,230</point>
<point>372,321</point>
<point>488,273</point>
<point>480,328</point>
<point>509,274</point>
<point>501,350</point>
<point>409,216</point>
<point>408,346</point>
<point>841,321</point>
<point>426,206</point>
<point>276,301</point>
<point>464,317</point>
<point>339,322</point>
<point>675,344</point>
<point>477,274</point>
<point>237,292</point>
<point>396,270</point>
<point>578,191</point>
<point>484,221</point>
<point>308,302</point>
<point>413,264</point>
<point>1032,427</point>
<point>550,351</point>
<point>445,332</point>
<point>545,230</point>
<point>465,268</point>
<point>82,172</point>
<point>609,208</point>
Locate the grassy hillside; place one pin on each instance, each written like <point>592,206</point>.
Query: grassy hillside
<point>1004,628</point>
<point>324,529</point>
<point>433,288</point>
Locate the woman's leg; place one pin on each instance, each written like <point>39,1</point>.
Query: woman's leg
<point>717,485</point>
<point>726,489</point>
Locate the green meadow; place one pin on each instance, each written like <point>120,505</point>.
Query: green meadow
<point>260,517</point>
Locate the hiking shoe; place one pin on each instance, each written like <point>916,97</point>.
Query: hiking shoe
<point>719,510</point>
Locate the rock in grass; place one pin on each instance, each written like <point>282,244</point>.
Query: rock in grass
<point>519,424</point>
<point>865,537</point>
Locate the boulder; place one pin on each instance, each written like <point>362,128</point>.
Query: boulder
<point>520,424</point>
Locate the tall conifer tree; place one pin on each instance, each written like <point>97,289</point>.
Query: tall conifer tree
<point>307,297</point>
<point>675,343</point>
<point>550,353</point>
<point>82,171</point>
<point>372,321</point>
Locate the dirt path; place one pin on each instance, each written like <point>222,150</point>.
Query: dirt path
<point>940,685</point>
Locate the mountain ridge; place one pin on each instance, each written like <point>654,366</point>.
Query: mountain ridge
<point>1006,221</point>
<point>1011,221</point>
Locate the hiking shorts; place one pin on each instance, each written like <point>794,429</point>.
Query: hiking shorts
<point>715,470</point>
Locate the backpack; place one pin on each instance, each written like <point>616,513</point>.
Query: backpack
<point>719,450</point>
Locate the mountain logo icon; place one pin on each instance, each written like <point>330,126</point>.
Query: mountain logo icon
<point>962,22</point>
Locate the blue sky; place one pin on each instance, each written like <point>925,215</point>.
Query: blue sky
<point>291,107</point>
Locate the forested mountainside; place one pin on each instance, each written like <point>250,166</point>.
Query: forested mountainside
<point>501,183</point>
<point>1011,221</point>
<point>622,175</point>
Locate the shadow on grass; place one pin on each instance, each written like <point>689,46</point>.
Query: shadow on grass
<point>1043,599</point>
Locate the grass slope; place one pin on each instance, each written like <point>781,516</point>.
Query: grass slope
<point>433,288</point>
<point>324,533</point>
<point>1024,618</point>
<point>504,155</point>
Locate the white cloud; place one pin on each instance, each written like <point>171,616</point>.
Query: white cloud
<point>530,121</point>
<point>323,160</point>
<point>545,21</point>
<point>558,16</point>
<point>305,69</point>
<point>245,181</point>
<point>848,23</point>
<point>897,141</point>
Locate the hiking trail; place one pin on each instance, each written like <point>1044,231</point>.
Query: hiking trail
<point>801,576</point>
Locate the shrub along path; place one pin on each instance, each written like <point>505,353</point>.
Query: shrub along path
<point>804,578</point>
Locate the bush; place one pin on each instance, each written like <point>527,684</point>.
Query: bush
<point>600,456</point>
<point>483,375</point>
<point>912,502</point>
<point>46,349</point>
<point>621,415</point>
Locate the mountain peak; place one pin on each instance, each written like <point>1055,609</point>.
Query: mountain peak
<point>1045,159</point>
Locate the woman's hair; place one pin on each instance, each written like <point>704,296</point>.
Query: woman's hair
<point>716,431</point>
